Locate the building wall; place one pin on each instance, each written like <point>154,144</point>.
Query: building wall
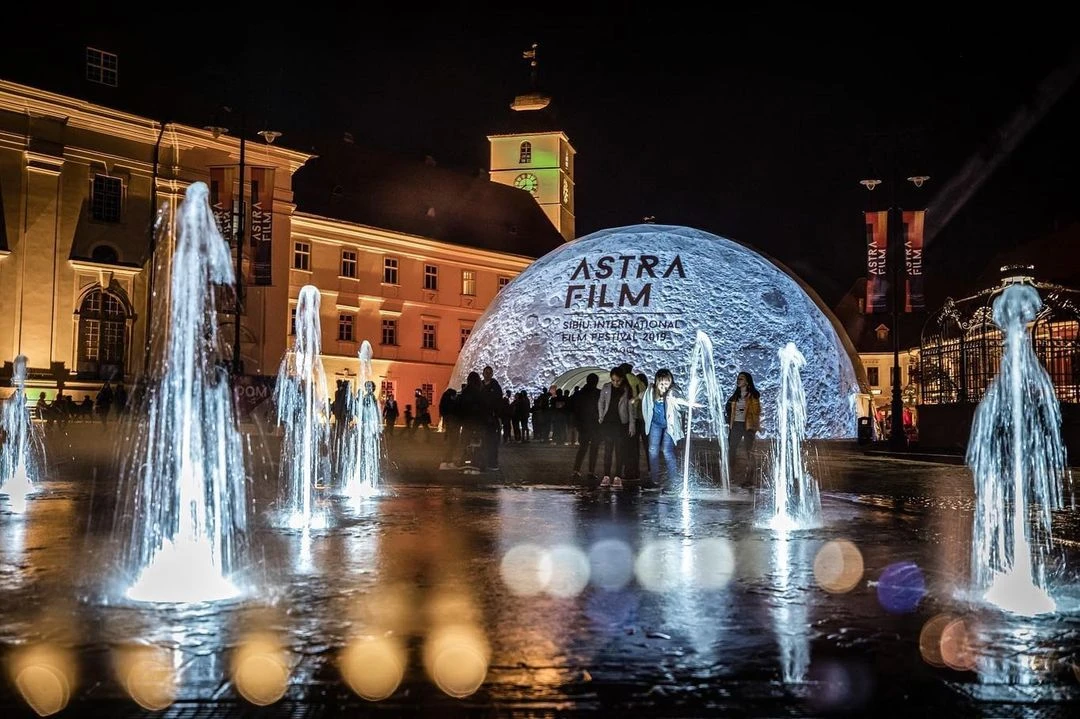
<point>881,391</point>
<point>406,365</point>
<point>51,149</point>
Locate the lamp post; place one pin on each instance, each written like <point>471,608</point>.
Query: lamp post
<point>897,260</point>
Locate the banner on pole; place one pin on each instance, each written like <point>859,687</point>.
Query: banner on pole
<point>221,200</point>
<point>914,300</point>
<point>877,266</point>
<point>262,222</point>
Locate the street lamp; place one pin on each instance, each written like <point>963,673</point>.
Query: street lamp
<point>897,260</point>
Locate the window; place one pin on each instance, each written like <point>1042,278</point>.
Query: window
<point>428,390</point>
<point>389,332</point>
<point>431,277</point>
<point>348,264</point>
<point>102,336</point>
<point>565,191</point>
<point>389,271</point>
<point>345,328</point>
<point>525,153</point>
<point>428,341</point>
<point>105,198</point>
<point>301,256</point>
<point>503,282</point>
<point>872,376</point>
<point>386,389</point>
<point>101,67</point>
<point>468,282</point>
<point>292,321</point>
<point>465,332</point>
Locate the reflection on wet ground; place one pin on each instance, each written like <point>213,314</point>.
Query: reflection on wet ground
<point>540,598</point>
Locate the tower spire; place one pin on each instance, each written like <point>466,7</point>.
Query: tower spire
<point>533,99</point>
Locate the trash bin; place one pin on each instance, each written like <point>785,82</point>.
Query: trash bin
<point>865,430</point>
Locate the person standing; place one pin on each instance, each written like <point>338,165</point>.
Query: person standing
<point>587,420</point>
<point>744,419</point>
<point>493,397</point>
<point>390,413</point>
<point>449,411</point>
<point>616,418</point>
<point>663,427</point>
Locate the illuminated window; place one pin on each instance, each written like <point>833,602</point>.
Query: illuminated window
<point>386,389</point>
<point>429,336</point>
<point>468,282</point>
<point>389,272</point>
<point>503,282</point>
<point>102,335</point>
<point>292,321</point>
<point>525,153</point>
<point>431,277</point>
<point>872,376</point>
<point>101,67</point>
<point>301,258</point>
<point>565,191</point>
<point>348,264</point>
<point>345,328</point>
<point>465,332</point>
<point>389,332</point>
<point>105,200</point>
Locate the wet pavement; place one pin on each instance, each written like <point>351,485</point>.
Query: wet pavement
<point>514,593</point>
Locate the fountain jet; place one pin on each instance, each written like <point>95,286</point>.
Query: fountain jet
<point>363,440</point>
<point>22,450</point>
<point>304,412</point>
<point>796,502</point>
<point>183,477</point>
<point>1017,459</point>
<point>702,375</point>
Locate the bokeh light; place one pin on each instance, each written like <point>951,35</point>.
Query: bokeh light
<point>148,675</point>
<point>373,666</point>
<point>901,587</point>
<point>260,668</point>
<point>524,569</point>
<point>44,674</point>
<point>714,563</point>
<point>838,566</point>
<point>930,639</point>
<point>568,571</point>
<point>456,658</point>
<point>658,565</point>
<point>958,650</point>
<point>611,564</point>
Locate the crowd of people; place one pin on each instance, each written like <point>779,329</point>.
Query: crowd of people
<point>625,430</point>
<point>108,402</point>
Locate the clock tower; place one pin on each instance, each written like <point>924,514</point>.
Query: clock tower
<point>535,156</point>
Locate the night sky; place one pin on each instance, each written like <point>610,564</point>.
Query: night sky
<point>756,126</point>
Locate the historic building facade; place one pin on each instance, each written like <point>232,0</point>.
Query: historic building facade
<point>78,182</point>
<point>407,261</point>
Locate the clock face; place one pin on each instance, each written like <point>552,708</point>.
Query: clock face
<point>528,182</point>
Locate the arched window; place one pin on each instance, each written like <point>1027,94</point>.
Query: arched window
<point>102,336</point>
<point>525,154</point>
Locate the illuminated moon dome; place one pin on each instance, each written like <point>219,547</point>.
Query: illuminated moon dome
<point>639,294</point>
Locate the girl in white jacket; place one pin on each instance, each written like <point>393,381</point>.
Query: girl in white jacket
<point>663,425</point>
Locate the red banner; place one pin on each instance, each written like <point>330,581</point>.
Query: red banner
<point>262,221</point>
<point>914,299</point>
<point>221,200</point>
<point>877,266</point>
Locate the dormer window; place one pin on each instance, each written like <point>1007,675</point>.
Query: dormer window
<point>882,332</point>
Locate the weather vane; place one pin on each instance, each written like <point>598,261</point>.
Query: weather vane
<point>530,55</point>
